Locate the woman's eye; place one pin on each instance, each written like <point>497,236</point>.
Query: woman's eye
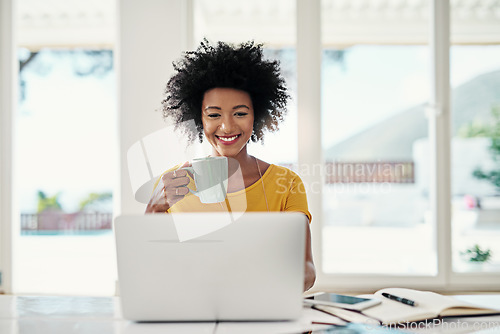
<point>213,115</point>
<point>241,114</point>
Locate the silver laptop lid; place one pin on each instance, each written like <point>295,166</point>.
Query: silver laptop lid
<point>248,268</point>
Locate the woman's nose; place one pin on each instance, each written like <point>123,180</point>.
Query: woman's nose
<point>227,125</point>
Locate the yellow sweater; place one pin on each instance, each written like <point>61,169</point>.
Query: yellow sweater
<point>284,191</point>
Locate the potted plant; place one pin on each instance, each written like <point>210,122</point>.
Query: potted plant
<point>493,132</point>
<point>476,254</point>
<point>489,207</point>
<point>475,258</point>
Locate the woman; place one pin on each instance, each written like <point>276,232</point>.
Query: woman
<point>233,96</point>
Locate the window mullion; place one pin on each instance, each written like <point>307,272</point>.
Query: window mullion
<point>309,113</point>
<point>439,134</point>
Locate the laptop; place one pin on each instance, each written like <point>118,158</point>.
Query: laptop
<point>211,266</point>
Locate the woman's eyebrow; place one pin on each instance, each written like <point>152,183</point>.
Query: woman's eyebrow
<point>213,107</point>
<point>241,106</point>
<point>234,108</point>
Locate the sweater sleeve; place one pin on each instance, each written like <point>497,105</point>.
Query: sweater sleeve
<point>297,197</point>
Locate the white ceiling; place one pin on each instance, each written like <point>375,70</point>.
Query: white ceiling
<point>66,23</point>
<point>74,23</point>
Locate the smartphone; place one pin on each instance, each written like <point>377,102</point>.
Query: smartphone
<point>347,302</point>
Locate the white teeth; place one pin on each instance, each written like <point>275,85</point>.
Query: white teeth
<point>228,139</point>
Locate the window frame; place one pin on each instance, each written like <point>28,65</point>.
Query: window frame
<point>8,93</point>
<point>438,113</point>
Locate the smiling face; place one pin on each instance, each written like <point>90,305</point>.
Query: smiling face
<point>227,115</point>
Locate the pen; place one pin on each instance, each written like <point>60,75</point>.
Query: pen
<point>399,299</point>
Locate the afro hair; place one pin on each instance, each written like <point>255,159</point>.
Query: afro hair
<point>241,67</point>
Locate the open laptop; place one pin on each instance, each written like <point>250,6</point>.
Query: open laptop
<point>211,266</point>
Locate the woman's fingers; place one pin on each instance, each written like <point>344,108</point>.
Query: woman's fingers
<point>174,189</point>
<point>166,198</point>
<point>175,179</point>
<point>186,164</point>
<point>174,185</point>
<point>158,202</point>
<point>172,192</point>
<point>174,175</point>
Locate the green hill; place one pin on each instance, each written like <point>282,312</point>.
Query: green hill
<point>393,138</point>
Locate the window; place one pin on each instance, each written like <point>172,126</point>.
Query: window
<point>407,220</point>
<point>475,157</point>
<point>65,154</point>
<point>265,22</point>
<point>374,92</point>
<point>372,124</point>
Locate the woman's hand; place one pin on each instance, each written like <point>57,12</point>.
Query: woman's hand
<point>171,189</point>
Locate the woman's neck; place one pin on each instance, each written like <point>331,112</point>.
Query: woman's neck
<point>244,160</point>
<point>242,169</point>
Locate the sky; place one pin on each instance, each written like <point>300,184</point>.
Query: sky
<point>65,135</point>
<point>66,132</point>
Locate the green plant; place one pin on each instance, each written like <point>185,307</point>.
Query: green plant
<point>94,198</point>
<point>474,129</point>
<point>45,202</point>
<point>476,254</point>
<point>493,132</point>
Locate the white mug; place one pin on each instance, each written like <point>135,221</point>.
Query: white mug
<point>210,177</point>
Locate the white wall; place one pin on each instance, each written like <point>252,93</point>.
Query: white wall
<point>152,34</point>
<point>6,103</point>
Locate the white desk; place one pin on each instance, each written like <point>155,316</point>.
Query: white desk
<point>82,315</point>
<point>102,315</point>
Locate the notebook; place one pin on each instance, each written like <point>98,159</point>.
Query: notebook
<point>211,266</point>
<point>428,305</point>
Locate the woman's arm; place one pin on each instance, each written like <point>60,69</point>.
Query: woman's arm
<point>296,200</point>
<point>310,270</point>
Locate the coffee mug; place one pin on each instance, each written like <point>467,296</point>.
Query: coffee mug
<point>210,177</point>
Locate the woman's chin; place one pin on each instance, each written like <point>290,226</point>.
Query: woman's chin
<point>230,153</point>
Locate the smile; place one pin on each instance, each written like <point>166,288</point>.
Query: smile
<point>228,140</point>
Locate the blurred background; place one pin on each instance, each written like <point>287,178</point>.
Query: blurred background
<point>375,85</point>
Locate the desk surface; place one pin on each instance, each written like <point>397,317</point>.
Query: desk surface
<point>57,314</point>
